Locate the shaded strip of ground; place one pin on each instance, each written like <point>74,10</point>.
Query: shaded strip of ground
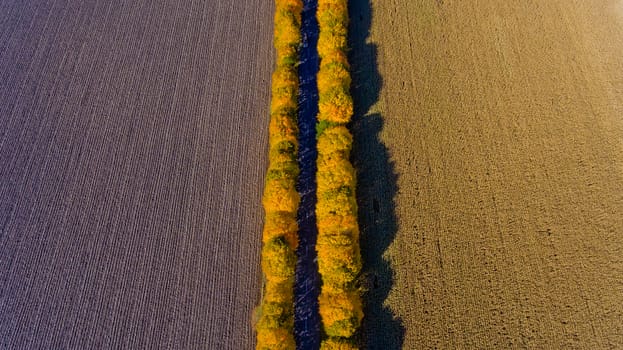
<point>307,284</point>
<point>376,186</point>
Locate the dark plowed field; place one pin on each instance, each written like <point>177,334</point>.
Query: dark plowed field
<point>132,149</point>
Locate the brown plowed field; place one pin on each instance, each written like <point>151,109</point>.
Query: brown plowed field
<point>132,153</point>
<point>503,124</point>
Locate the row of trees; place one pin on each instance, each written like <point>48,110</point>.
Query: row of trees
<point>275,315</point>
<point>339,260</point>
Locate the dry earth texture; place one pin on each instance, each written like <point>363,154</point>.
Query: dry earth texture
<point>504,124</point>
<point>132,146</point>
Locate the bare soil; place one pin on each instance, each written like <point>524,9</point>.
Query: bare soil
<point>132,151</point>
<point>503,126</point>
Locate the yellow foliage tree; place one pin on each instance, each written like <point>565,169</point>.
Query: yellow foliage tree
<point>339,259</point>
<point>275,314</point>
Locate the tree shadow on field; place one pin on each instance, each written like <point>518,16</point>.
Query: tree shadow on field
<point>376,186</point>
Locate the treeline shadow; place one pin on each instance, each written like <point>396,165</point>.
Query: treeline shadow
<point>376,186</point>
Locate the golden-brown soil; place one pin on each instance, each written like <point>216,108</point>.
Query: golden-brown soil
<point>504,123</point>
